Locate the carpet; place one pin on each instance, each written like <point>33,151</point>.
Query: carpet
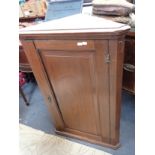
<point>36,142</point>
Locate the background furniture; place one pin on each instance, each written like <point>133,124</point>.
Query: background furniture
<point>24,65</point>
<point>25,68</point>
<point>22,81</point>
<point>129,63</point>
<point>23,95</point>
<point>62,8</point>
<point>78,66</point>
<point>32,9</point>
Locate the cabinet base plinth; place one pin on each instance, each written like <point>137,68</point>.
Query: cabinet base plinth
<point>63,133</point>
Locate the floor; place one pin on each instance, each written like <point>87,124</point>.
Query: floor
<point>35,142</point>
<point>36,116</point>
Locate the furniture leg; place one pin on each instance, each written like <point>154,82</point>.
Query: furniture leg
<point>23,95</point>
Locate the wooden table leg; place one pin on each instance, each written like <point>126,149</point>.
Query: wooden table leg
<point>23,95</point>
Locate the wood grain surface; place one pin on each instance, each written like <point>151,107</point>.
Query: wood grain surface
<point>79,70</point>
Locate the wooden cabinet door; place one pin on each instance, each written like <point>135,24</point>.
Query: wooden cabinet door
<point>75,74</point>
<point>71,75</point>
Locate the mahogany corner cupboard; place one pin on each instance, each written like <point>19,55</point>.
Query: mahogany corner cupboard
<point>78,64</point>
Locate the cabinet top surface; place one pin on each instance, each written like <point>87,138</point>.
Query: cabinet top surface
<point>75,24</point>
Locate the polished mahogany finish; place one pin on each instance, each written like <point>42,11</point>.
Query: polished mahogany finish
<point>78,63</point>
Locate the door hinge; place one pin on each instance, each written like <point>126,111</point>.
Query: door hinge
<point>107,57</point>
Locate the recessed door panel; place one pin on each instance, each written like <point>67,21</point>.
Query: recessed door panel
<point>73,78</point>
